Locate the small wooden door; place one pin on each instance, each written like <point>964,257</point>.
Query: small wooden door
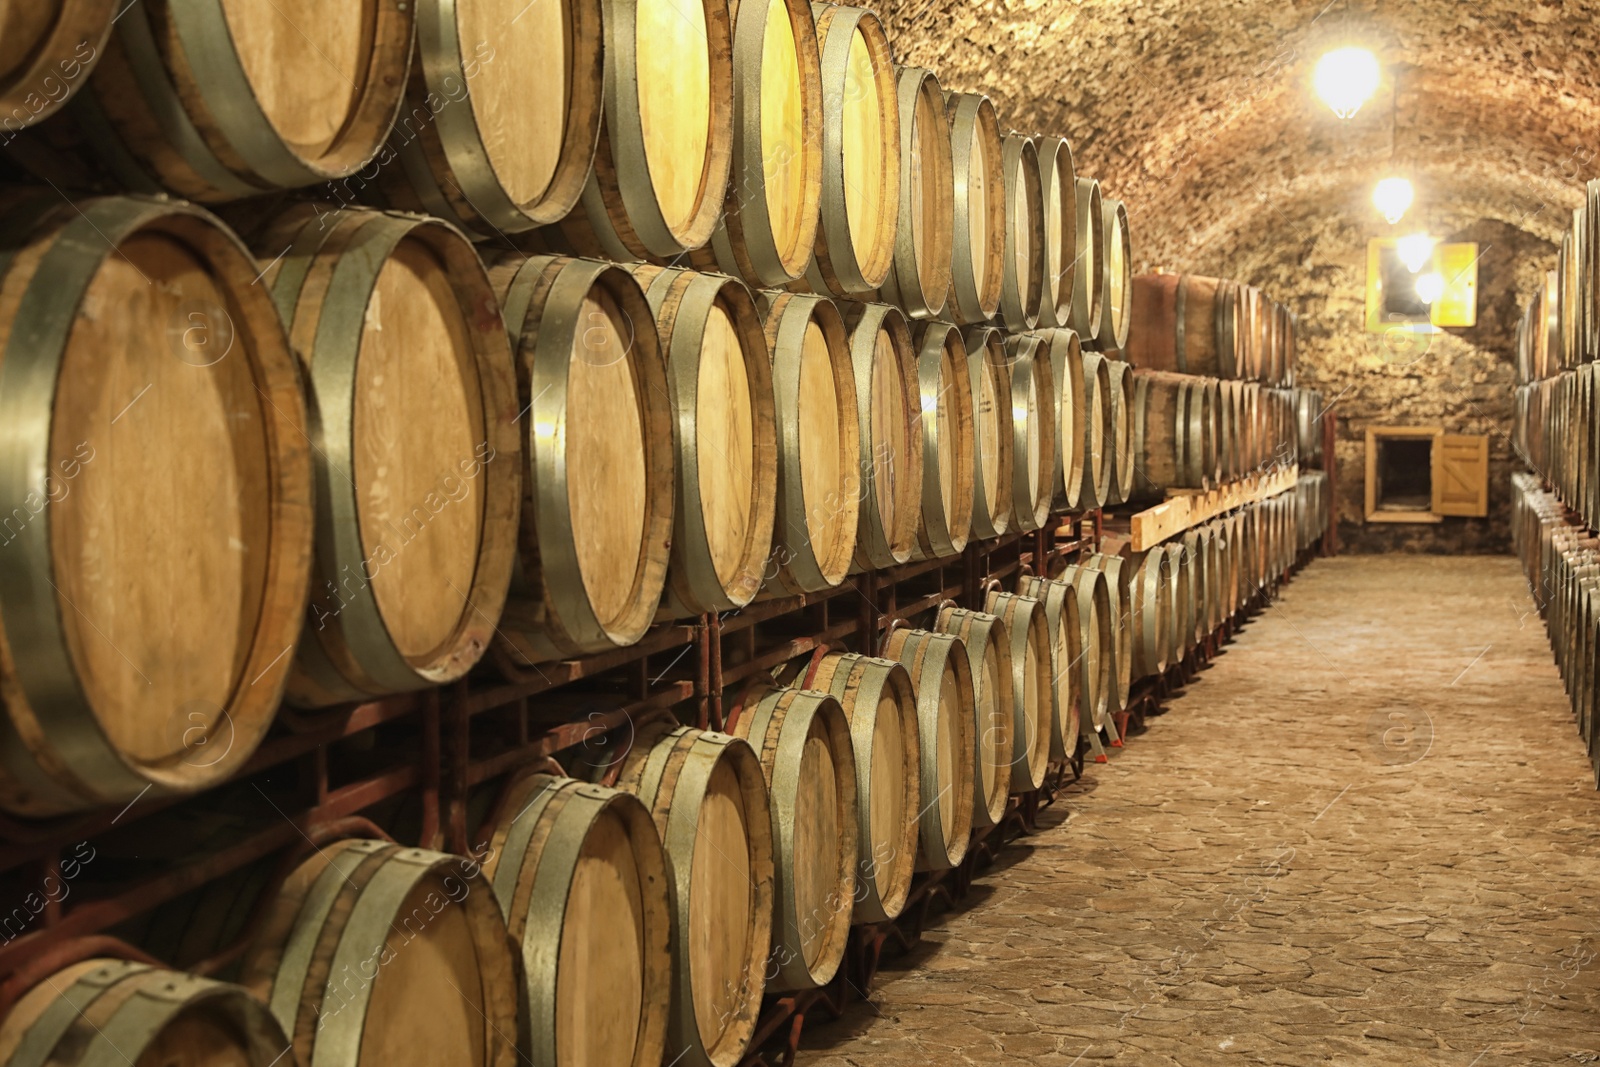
<point>1461,474</point>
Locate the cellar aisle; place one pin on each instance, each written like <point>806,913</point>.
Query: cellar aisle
<point>1365,835</point>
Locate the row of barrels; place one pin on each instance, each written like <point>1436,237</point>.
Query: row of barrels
<point>542,453</point>
<point>1561,558</point>
<point>1560,325</point>
<point>1193,432</point>
<point>1554,431</point>
<point>1192,324</point>
<point>649,903</point>
<point>776,140</point>
<point>1309,408</point>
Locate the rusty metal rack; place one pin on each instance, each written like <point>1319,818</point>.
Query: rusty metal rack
<point>412,766</point>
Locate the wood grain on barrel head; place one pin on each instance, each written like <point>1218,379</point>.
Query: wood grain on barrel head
<point>725,439</point>
<point>982,165</point>
<point>306,61</point>
<point>951,710</point>
<point>719,907</point>
<point>784,157</point>
<point>673,67</point>
<point>607,494</point>
<point>991,422</point>
<point>599,978</point>
<point>891,436</point>
<point>816,842</point>
<point>953,460</point>
<point>521,98</point>
<point>195,1038</point>
<point>930,193</point>
<point>160,541</point>
<point>825,470</point>
<point>418,414</point>
<point>867,158</point>
<point>883,859</point>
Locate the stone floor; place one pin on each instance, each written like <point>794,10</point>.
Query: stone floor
<point>1367,834</point>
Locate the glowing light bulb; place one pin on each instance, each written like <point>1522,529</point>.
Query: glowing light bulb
<point>1346,78</point>
<point>1392,197</point>
<point>1430,287</point>
<point>1415,251</point>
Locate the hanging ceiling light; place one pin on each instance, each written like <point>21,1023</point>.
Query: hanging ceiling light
<point>1415,251</point>
<point>1392,197</point>
<point>1430,287</point>
<point>1346,78</point>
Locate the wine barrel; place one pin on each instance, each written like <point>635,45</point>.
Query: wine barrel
<point>1058,189</point>
<point>1094,648</point>
<point>919,277</point>
<point>993,434</point>
<point>372,953</point>
<point>1117,281</point>
<point>819,483</point>
<point>1151,618</point>
<point>216,101</point>
<point>155,409</point>
<point>1210,596</point>
<point>501,116</point>
<point>1116,631</point>
<point>1059,601</point>
<point>1022,274</point>
<point>1194,561</point>
<point>1179,572</point>
<point>1308,411</point>
<point>1099,432</point>
<point>1088,279</point>
<point>665,152</point>
<point>600,471</point>
<point>581,879</point>
<point>1033,432</point>
<point>1066,373</point>
<point>719,379</point>
<point>709,800</point>
<point>880,700</point>
<point>983,636</point>
<point>942,678</point>
<point>977,267</point>
<point>889,419</point>
<point>860,153</point>
<point>47,49</point>
<point>948,464</point>
<point>1189,324</point>
<point>409,371</point>
<point>1120,444</point>
<point>1032,688</point>
<point>769,222</point>
<point>106,1011</point>
<point>804,743</point>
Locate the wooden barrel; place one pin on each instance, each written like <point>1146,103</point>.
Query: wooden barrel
<point>1180,584</point>
<point>372,953</point>
<point>978,260</point>
<point>1308,411</point>
<point>769,222</point>
<point>819,441</point>
<point>47,49</point>
<point>1119,401</point>
<point>581,879</point>
<point>880,700</point>
<point>600,471</point>
<point>860,153</point>
<point>499,125</point>
<point>1177,425</point>
<point>1099,436</point>
<point>1094,648</point>
<point>993,434</point>
<point>951,760</point>
<point>1059,601</point>
<point>919,278</point>
<point>666,144</point>
<point>1116,632</point>
<point>719,379</point>
<point>983,636</point>
<point>1088,279</point>
<point>216,101</point>
<point>944,385</point>
<point>889,419</point>
<point>1033,431</point>
<point>1151,618</point>
<point>804,743</point>
<point>709,800</point>
<point>1066,372</point>
<point>1116,293</point>
<point>155,411</point>
<point>1022,275</point>
<point>108,1011</point>
<point>1058,189</point>
<point>1032,687</point>
<point>1194,560</point>
<point>1228,571</point>
<point>409,372</point>
<point>1210,596</point>
<point>1189,324</point>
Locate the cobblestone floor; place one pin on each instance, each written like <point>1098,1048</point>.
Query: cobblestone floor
<point>1365,835</point>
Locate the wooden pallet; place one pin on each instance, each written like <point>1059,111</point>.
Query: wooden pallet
<point>1184,508</point>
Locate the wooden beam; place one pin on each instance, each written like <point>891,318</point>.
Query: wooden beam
<point>1186,508</point>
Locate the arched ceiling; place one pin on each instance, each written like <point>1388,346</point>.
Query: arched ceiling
<point>1199,113</point>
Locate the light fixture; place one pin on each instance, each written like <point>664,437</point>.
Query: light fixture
<point>1346,78</point>
<point>1430,287</point>
<point>1415,250</point>
<point>1392,197</point>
